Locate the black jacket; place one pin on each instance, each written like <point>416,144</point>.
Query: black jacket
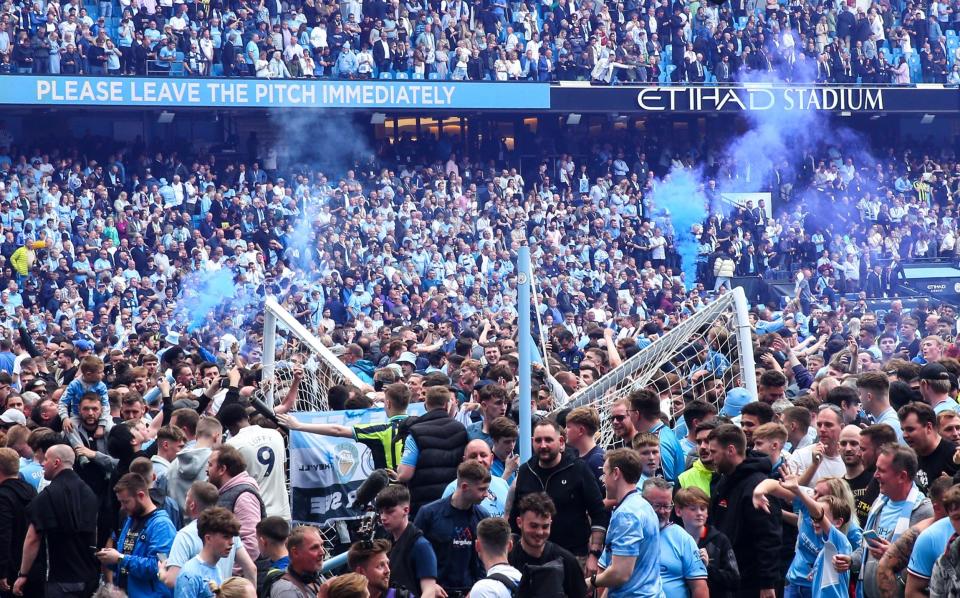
<point>755,535</point>
<point>15,495</point>
<point>440,442</point>
<point>575,493</point>
<point>723,574</point>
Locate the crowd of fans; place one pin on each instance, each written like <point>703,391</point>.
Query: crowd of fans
<point>696,42</point>
<point>134,457</point>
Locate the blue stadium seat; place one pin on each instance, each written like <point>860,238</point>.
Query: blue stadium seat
<point>952,42</point>
<point>418,76</point>
<point>402,75</point>
<point>216,69</point>
<point>386,75</point>
<point>951,33</point>
<point>741,22</point>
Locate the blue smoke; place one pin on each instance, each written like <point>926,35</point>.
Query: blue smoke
<point>681,193</point>
<point>202,294</point>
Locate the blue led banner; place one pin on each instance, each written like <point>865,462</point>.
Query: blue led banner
<point>33,90</point>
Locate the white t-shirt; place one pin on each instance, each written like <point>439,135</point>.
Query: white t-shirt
<point>264,453</point>
<point>829,467</point>
<point>492,588</point>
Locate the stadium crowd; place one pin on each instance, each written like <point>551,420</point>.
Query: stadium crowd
<point>604,42</point>
<point>133,453</point>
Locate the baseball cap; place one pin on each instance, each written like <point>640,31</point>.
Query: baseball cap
<point>13,416</point>
<point>934,371</point>
<point>83,345</point>
<point>736,399</point>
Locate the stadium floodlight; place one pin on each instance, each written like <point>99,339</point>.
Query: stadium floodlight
<point>321,368</point>
<point>165,117</point>
<point>574,119</point>
<point>717,339</point>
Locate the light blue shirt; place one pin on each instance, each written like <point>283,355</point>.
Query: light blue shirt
<point>948,405</point>
<point>496,499</point>
<point>679,561</point>
<point>841,587</point>
<point>194,580</point>
<point>634,530</point>
<point>672,457</point>
<point>809,545</point>
<point>31,472</point>
<point>187,544</point>
<point>410,452</point>
<point>931,543</point>
<point>890,418</point>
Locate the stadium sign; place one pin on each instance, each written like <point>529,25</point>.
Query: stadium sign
<point>784,98</point>
<point>716,99</point>
<point>32,90</point>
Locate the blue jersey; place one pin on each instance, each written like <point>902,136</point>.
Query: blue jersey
<point>496,499</point>
<point>809,545</point>
<point>31,472</point>
<point>931,543</point>
<point>634,530</point>
<point>827,581</point>
<point>194,580</point>
<point>679,561</point>
<point>672,459</point>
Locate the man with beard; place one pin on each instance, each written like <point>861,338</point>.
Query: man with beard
<point>858,477</point>
<point>574,490</point>
<point>370,560</point>
<point>755,535</point>
<point>95,466</point>
<point>701,473</point>
<point>146,533</point>
<point>623,429</point>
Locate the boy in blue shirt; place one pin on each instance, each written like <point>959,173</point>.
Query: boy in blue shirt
<point>830,516</point>
<point>90,380</point>
<point>217,527</point>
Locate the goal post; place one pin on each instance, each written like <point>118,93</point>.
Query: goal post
<point>297,345</point>
<point>703,357</point>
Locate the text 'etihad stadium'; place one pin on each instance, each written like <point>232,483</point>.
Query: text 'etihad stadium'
<point>712,99</point>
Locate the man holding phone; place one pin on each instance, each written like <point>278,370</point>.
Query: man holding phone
<point>899,506</point>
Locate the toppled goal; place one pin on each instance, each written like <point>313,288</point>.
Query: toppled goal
<point>703,357</point>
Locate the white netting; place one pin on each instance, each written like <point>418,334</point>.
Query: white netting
<point>295,346</point>
<point>700,358</point>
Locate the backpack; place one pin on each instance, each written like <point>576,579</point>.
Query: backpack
<point>268,580</point>
<point>536,581</point>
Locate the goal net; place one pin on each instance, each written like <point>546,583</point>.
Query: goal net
<point>288,344</point>
<point>702,357</point>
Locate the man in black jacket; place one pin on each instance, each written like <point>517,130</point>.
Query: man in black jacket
<point>432,451</point>
<point>15,495</point>
<point>755,535</point>
<point>574,491</point>
<point>551,569</point>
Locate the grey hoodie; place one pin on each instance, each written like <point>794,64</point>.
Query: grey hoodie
<point>190,466</point>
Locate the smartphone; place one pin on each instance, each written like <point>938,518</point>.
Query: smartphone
<point>871,535</point>
<point>94,549</point>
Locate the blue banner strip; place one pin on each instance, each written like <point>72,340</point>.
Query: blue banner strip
<point>61,90</point>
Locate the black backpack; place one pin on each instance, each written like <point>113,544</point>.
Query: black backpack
<point>537,581</point>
